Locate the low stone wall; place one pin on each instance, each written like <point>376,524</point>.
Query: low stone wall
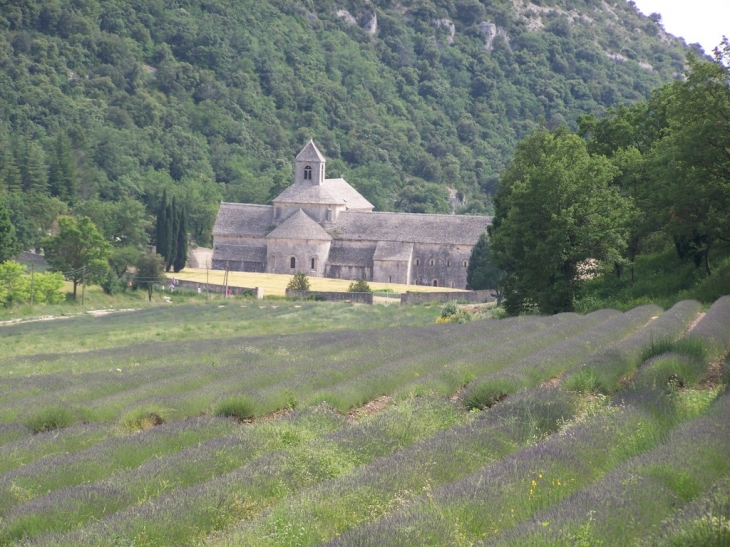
<point>257,292</point>
<point>469,296</point>
<point>356,297</point>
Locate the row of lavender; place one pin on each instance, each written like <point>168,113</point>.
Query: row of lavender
<point>390,492</point>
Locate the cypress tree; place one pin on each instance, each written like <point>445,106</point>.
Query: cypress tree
<point>172,226</point>
<point>181,256</point>
<point>161,236</point>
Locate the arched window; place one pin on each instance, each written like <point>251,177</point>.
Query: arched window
<point>435,282</point>
<point>292,263</point>
<point>314,263</point>
<point>430,262</point>
<point>448,263</point>
<point>418,262</point>
<point>453,285</point>
<point>272,263</point>
<point>307,173</point>
<point>464,263</point>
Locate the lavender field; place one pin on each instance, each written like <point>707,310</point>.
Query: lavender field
<point>606,429</point>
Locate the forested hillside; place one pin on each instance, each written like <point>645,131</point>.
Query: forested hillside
<point>104,104</point>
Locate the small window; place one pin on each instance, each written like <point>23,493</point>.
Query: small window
<point>448,263</point>
<point>307,173</point>
<point>272,263</point>
<point>418,262</point>
<point>390,279</point>
<point>430,262</point>
<point>453,285</point>
<point>464,263</point>
<point>314,263</point>
<point>292,263</point>
<point>435,282</point>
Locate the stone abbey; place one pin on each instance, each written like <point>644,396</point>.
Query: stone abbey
<point>325,228</point>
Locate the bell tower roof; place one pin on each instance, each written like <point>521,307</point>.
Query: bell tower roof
<point>311,153</point>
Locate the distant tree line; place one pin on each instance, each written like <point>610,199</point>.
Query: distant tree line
<point>643,177</point>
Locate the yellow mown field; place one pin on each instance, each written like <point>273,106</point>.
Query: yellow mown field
<point>275,284</point>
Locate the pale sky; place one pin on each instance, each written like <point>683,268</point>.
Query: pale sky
<point>703,21</point>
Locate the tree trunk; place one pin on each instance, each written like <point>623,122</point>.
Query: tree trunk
<point>76,282</point>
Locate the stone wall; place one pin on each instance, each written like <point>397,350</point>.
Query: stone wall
<point>355,297</point>
<point>469,296</point>
<point>257,292</point>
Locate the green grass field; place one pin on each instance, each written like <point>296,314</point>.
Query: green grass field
<point>277,423</point>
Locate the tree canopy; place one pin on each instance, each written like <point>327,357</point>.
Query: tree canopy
<point>557,215</point>
<point>78,250</point>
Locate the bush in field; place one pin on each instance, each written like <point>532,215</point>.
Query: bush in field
<point>359,286</point>
<point>15,285</point>
<point>240,407</point>
<point>299,282</point>
<point>451,313</point>
<point>488,394</point>
<point>55,417</point>
<point>143,419</point>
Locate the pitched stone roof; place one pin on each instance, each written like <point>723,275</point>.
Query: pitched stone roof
<point>308,193</point>
<point>300,226</point>
<point>351,256</point>
<point>310,153</point>
<point>410,227</point>
<point>393,251</point>
<point>236,253</point>
<point>243,219</point>
<point>341,189</point>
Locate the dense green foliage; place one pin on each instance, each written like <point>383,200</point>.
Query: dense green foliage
<point>482,273</point>
<point>298,282</point>
<point>643,180</point>
<point>171,234</point>
<point>150,271</point>
<point>359,286</point>
<point>119,100</point>
<point>78,250</point>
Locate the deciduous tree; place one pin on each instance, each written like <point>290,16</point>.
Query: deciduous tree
<point>556,216</point>
<point>78,250</point>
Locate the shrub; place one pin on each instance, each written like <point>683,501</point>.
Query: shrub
<point>240,407</point>
<point>451,313</point>
<point>488,394</point>
<point>359,286</point>
<point>143,418</point>
<point>299,282</point>
<point>54,417</point>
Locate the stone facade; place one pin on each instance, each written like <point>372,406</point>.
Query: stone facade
<point>325,228</point>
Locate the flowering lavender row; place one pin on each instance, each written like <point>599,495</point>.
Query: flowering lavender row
<point>354,385</point>
<point>71,507</point>
<point>477,355</point>
<point>34,447</point>
<point>230,355</point>
<point>642,491</point>
<point>12,432</point>
<point>174,518</point>
<point>705,521</point>
<point>604,371</point>
<point>714,328</point>
<point>454,375</point>
<point>286,379</point>
<point>507,492</point>
<point>110,392</point>
<point>393,480</point>
<point>109,456</point>
<point>556,359</point>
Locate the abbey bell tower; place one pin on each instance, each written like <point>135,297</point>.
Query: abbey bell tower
<point>310,165</point>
